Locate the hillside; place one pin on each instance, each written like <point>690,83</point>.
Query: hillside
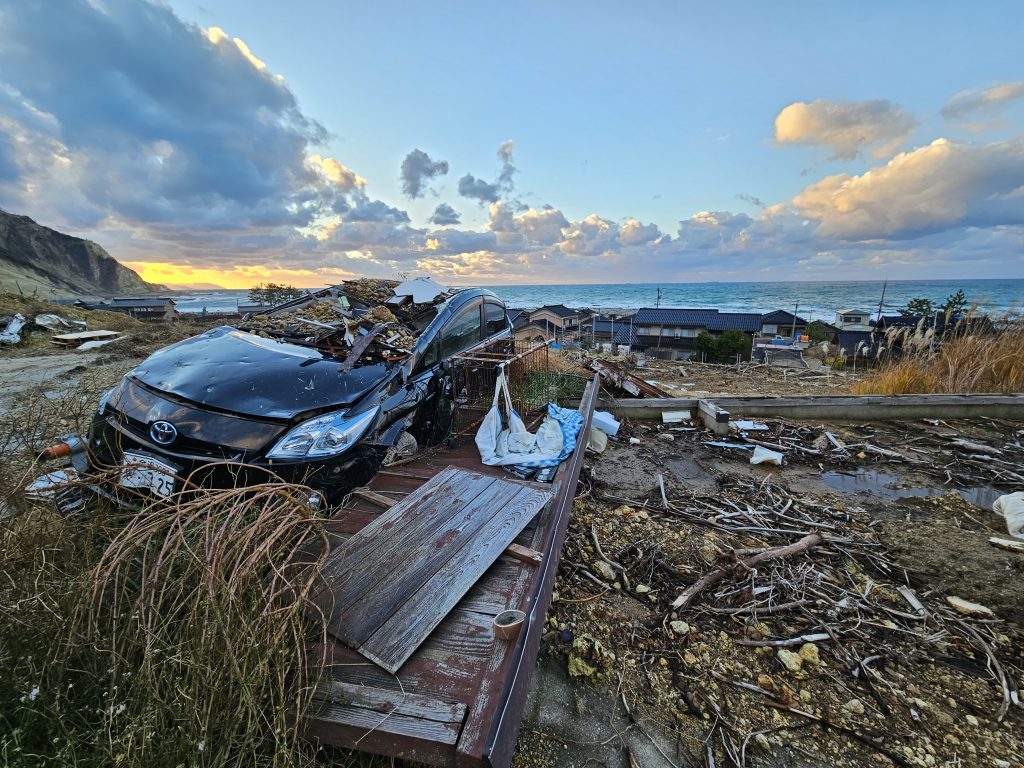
<point>37,259</point>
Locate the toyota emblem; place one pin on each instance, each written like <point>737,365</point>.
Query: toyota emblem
<point>163,432</point>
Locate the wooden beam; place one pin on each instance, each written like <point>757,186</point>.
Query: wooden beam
<point>376,498</point>
<point>836,407</point>
<point>524,554</point>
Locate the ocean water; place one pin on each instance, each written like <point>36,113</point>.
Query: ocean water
<point>816,300</point>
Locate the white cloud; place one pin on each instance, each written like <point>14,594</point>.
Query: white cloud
<point>844,127</point>
<point>993,97</point>
<point>930,189</point>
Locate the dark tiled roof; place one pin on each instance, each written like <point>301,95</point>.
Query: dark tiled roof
<point>624,334</point>
<point>781,316</point>
<point>711,319</point>
<point>514,314</point>
<point>558,309</point>
<point>606,326</point>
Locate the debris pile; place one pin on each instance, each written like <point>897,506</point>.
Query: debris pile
<point>934,447</point>
<point>361,321</point>
<point>756,621</point>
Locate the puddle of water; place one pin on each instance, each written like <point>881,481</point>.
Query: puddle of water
<point>889,486</point>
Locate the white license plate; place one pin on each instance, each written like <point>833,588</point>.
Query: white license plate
<point>147,473</point>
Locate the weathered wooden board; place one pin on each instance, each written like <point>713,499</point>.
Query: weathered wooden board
<point>392,583</point>
<point>398,712</point>
<point>399,637</point>
<point>456,543</point>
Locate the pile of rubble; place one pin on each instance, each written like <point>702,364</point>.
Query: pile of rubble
<point>949,451</point>
<point>754,626</point>
<point>362,321</point>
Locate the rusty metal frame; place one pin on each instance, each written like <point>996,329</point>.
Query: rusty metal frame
<point>501,741</point>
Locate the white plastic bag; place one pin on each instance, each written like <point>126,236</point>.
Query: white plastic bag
<point>1011,506</point>
<point>501,445</point>
<point>763,455</point>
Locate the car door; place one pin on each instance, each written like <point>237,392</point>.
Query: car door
<point>434,416</point>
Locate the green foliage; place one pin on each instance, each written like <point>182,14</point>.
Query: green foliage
<point>273,293</point>
<point>917,307</point>
<point>705,343</point>
<point>819,331</point>
<point>956,303</point>
<point>722,348</point>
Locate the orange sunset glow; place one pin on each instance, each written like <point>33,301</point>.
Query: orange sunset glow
<point>240,276</point>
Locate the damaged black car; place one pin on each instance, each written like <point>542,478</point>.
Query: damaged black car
<point>318,391</point>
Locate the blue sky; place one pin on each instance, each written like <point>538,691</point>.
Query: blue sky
<point>641,141</point>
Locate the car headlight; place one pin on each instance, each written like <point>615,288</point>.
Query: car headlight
<point>326,435</point>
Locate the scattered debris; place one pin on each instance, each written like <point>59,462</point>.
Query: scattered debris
<point>357,320</point>
<point>778,614</point>
<point>764,455</point>
<point>80,337</point>
<point>12,331</point>
<point>967,608</point>
<point>51,322</point>
<point>674,417</point>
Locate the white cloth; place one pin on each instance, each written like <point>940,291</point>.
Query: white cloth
<point>1011,506</point>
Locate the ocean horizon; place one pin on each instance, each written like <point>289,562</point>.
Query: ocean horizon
<point>811,299</point>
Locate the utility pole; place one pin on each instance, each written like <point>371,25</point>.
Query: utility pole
<point>792,330</point>
<point>881,301</point>
<point>657,301</point>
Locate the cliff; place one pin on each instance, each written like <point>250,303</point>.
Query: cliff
<point>37,259</point>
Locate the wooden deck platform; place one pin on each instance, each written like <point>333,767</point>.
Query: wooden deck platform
<point>457,700</point>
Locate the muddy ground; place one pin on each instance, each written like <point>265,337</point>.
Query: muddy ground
<point>650,692</point>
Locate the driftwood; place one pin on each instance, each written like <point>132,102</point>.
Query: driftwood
<point>809,541</point>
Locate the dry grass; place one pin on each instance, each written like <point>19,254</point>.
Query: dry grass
<point>980,362</point>
<point>173,637</point>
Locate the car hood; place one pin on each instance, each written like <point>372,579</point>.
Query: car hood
<point>239,372</point>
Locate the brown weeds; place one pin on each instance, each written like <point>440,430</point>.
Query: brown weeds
<point>969,362</point>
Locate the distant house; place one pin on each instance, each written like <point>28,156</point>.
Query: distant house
<point>669,334</point>
<point>784,324</point>
<point>852,317</point>
<point>559,315</point>
<point>517,317</point>
<point>600,328</point>
<point>535,332</point>
<point>147,308</point>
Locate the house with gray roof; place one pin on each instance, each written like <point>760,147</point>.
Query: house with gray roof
<point>670,334</point>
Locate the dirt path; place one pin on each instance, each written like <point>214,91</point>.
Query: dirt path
<point>21,374</point>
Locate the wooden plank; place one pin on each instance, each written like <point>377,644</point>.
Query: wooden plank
<point>397,723</point>
<point>524,554</point>
<point>399,637</point>
<point>838,407</point>
<point>376,498</point>
<point>433,708</point>
<point>1011,545</point>
<point>345,565</point>
<point>80,336</point>
<point>404,559</point>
